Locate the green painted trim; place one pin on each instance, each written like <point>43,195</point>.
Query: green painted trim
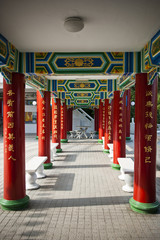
<point>128,138</point>
<point>14,205</point>
<point>47,165</point>
<point>36,137</point>
<point>64,140</point>
<point>144,207</point>
<point>115,166</point>
<point>59,150</point>
<point>100,141</point>
<point>106,151</point>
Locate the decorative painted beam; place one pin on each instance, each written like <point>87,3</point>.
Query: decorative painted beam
<point>150,54</point>
<point>79,86</point>
<point>9,55</point>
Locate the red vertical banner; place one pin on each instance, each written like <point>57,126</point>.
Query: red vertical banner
<point>56,123</point>
<point>108,125</point>
<point>128,112</point>
<point>15,197</point>
<point>44,126</point>
<point>144,196</point>
<point>100,122</point>
<point>119,131</point>
<point>64,123</point>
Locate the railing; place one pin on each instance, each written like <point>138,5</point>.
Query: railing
<point>85,114</point>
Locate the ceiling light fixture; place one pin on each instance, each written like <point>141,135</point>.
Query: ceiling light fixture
<point>74,24</point>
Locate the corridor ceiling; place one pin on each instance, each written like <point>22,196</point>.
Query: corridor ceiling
<point>109,25</point>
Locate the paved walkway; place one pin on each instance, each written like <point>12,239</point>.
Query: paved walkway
<point>80,199</point>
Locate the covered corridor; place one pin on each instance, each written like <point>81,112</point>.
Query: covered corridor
<point>81,198</point>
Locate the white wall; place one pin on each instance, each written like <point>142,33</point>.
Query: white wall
<point>30,108</point>
<point>30,127</point>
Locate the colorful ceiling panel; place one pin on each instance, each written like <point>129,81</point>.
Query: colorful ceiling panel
<point>78,86</point>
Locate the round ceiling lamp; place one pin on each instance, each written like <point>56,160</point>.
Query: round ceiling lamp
<point>74,24</point>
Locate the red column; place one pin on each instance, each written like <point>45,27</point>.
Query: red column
<point>43,100</point>
<point>50,118</point>
<point>103,118</point>
<point>15,197</point>
<point>108,126</point>
<point>128,111</point>
<point>64,123</point>
<point>56,121</point>
<point>97,127</point>
<point>37,118</point>
<point>112,106</point>
<point>68,119</point>
<point>71,119</point>
<point>95,118</point>
<point>1,107</point>
<point>119,129</point>
<point>100,122</point>
<point>144,197</point>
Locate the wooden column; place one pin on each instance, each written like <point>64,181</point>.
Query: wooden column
<point>64,123</point>
<point>43,100</point>
<point>144,196</point>
<point>56,123</point>
<point>100,122</point>
<point>119,129</point>
<point>128,113</point>
<point>108,126</point>
<point>14,197</point>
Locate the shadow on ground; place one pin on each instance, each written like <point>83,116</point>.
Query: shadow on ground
<point>79,202</point>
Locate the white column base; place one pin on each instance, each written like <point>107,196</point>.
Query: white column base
<point>31,181</point>
<point>40,173</point>
<point>121,177</point>
<point>129,182</point>
<point>127,188</point>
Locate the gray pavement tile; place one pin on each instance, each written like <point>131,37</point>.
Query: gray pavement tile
<point>80,199</point>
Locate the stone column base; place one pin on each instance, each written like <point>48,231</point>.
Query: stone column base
<point>59,150</point>
<point>64,140</point>
<point>47,165</point>
<point>106,151</point>
<point>115,166</point>
<point>128,138</point>
<point>144,207</point>
<point>14,205</point>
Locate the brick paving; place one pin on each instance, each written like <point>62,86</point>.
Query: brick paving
<point>80,199</point>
